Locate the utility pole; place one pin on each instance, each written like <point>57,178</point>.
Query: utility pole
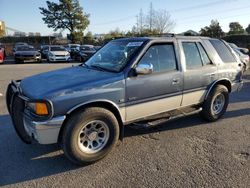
<point>151,15</point>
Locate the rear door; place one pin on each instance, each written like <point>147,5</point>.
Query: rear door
<point>158,92</point>
<point>199,71</point>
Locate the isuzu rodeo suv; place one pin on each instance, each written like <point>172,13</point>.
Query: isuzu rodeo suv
<point>130,80</point>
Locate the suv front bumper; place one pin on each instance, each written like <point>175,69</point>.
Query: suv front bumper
<point>44,132</point>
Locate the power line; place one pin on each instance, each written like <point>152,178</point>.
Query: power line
<point>208,14</point>
<point>118,20</point>
<point>221,18</point>
<point>213,3</point>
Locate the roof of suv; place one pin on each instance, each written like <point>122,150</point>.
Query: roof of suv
<point>159,38</point>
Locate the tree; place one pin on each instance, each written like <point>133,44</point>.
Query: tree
<point>154,23</point>
<point>163,22</point>
<point>67,14</point>
<point>213,30</point>
<point>115,34</point>
<point>88,38</point>
<point>248,29</point>
<point>235,28</point>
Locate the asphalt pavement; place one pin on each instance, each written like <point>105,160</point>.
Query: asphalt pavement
<point>186,152</point>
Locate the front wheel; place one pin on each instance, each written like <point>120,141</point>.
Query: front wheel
<point>90,135</point>
<point>216,104</point>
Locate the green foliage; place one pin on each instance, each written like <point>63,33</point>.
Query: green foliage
<point>235,28</point>
<point>213,30</point>
<point>67,14</point>
<point>30,40</point>
<point>248,29</point>
<point>89,38</point>
<point>240,40</point>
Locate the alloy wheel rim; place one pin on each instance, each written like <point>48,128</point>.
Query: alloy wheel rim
<point>93,136</point>
<point>218,104</point>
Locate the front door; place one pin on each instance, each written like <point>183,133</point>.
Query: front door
<point>159,91</point>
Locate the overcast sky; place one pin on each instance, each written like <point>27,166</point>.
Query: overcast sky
<point>108,15</point>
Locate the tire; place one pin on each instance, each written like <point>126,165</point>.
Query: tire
<point>82,132</point>
<point>216,104</point>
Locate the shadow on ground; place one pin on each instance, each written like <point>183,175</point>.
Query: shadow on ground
<point>21,162</point>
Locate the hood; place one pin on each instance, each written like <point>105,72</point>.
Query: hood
<point>59,52</point>
<point>46,85</point>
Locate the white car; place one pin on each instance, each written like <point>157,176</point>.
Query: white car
<point>58,53</point>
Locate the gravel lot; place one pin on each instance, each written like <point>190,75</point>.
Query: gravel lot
<point>187,152</point>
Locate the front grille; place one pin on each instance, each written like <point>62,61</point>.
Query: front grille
<point>16,107</point>
<point>60,55</point>
<point>26,55</point>
<point>9,95</point>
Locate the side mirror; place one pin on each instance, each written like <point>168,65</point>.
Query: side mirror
<point>144,68</point>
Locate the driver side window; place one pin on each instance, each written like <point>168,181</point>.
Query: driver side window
<point>161,56</point>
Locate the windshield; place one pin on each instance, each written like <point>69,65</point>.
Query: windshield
<point>74,46</point>
<point>114,56</point>
<point>25,48</point>
<point>57,48</point>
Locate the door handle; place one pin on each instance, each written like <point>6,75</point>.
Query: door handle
<point>175,81</point>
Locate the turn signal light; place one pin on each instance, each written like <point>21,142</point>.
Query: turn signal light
<point>41,108</point>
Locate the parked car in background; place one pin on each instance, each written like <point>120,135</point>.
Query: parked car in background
<point>97,47</point>
<point>85,52</point>
<point>58,53</point>
<point>19,44</point>
<point>44,51</point>
<point>72,49</point>
<point>2,54</point>
<point>130,80</point>
<point>245,59</point>
<point>26,53</point>
<point>242,50</point>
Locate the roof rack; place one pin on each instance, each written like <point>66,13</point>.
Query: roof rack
<point>161,35</point>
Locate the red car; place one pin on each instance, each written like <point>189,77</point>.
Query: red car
<point>2,54</point>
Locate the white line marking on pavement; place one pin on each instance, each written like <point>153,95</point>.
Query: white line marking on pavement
<point>1,94</point>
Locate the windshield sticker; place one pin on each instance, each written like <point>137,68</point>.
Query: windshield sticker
<point>131,44</point>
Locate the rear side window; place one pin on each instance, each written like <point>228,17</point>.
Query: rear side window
<point>204,56</point>
<point>223,51</point>
<point>192,55</point>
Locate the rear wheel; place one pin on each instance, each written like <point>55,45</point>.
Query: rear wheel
<point>216,104</point>
<point>90,135</point>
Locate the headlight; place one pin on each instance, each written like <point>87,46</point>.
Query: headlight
<point>39,108</point>
<point>67,54</point>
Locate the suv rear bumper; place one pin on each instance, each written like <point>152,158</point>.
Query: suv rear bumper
<point>44,132</point>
